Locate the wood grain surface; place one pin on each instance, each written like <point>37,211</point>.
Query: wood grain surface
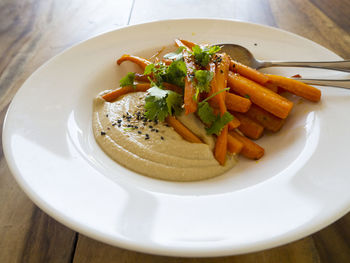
<point>32,31</point>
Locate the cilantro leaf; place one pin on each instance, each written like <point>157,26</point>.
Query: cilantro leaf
<point>174,73</point>
<point>206,113</point>
<point>219,123</point>
<point>202,55</point>
<point>176,55</point>
<point>161,103</point>
<point>128,80</point>
<point>203,78</point>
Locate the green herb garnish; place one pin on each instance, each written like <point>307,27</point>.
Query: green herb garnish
<point>203,78</point>
<point>202,55</point>
<point>162,103</point>
<point>128,80</point>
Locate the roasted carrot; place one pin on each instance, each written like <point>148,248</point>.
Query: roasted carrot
<point>250,149</point>
<point>259,95</point>
<point>296,87</point>
<point>189,93</point>
<point>172,87</point>
<point>137,60</point>
<point>113,95</point>
<point>221,72</point>
<point>233,145</point>
<point>167,61</point>
<point>188,44</point>
<point>179,43</point>
<point>249,127</point>
<point>248,72</point>
<point>234,123</point>
<point>266,119</point>
<point>237,103</point>
<point>141,77</point>
<point>182,130</point>
<point>271,86</point>
<point>220,149</point>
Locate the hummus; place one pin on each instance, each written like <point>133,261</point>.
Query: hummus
<point>153,148</point>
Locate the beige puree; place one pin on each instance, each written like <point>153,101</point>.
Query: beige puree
<point>161,154</point>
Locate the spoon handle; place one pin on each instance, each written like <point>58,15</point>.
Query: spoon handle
<point>335,65</point>
<point>339,83</point>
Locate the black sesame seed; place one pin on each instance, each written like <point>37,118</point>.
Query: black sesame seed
<point>153,130</point>
<point>136,127</point>
<point>150,126</point>
<point>103,133</point>
<point>221,71</point>
<point>119,121</point>
<point>113,124</point>
<point>162,137</point>
<point>107,115</point>
<point>157,130</point>
<point>139,132</point>
<point>119,125</point>
<point>146,138</point>
<point>108,128</point>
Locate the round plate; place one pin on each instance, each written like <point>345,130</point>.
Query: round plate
<point>298,187</point>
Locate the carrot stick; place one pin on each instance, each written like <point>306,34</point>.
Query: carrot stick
<point>250,149</point>
<point>271,86</point>
<point>266,119</point>
<point>259,95</point>
<point>172,87</point>
<point>296,87</point>
<point>248,127</point>
<point>221,72</point>
<point>141,77</point>
<point>220,149</point>
<point>237,103</point>
<point>113,95</point>
<point>182,130</point>
<point>233,145</point>
<point>137,60</point>
<point>180,44</point>
<point>188,44</point>
<point>233,124</point>
<point>189,93</point>
<point>248,72</point>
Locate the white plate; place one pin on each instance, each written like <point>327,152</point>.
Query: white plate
<point>299,186</point>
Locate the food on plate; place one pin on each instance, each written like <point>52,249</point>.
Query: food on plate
<point>187,115</point>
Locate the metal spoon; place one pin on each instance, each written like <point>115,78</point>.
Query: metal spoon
<point>245,57</point>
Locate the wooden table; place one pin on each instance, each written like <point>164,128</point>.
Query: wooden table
<point>32,31</point>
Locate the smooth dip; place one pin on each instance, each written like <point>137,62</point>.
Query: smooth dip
<point>153,148</point>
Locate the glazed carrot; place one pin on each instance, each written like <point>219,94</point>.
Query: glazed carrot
<point>180,44</point>
<point>237,103</point>
<point>220,149</point>
<point>250,149</point>
<point>233,145</point>
<point>172,87</point>
<point>234,123</point>
<point>271,86</point>
<point>266,119</point>
<point>221,73</point>
<point>248,72</point>
<point>182,130</point>
<point>137,60</point>
<point>141,77</point>
<point>190,91</point>
<point>188,44</point>
<point>248,127</point>
<point>296,87</point>
<point>259,95</point>
<point>113,95</point>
